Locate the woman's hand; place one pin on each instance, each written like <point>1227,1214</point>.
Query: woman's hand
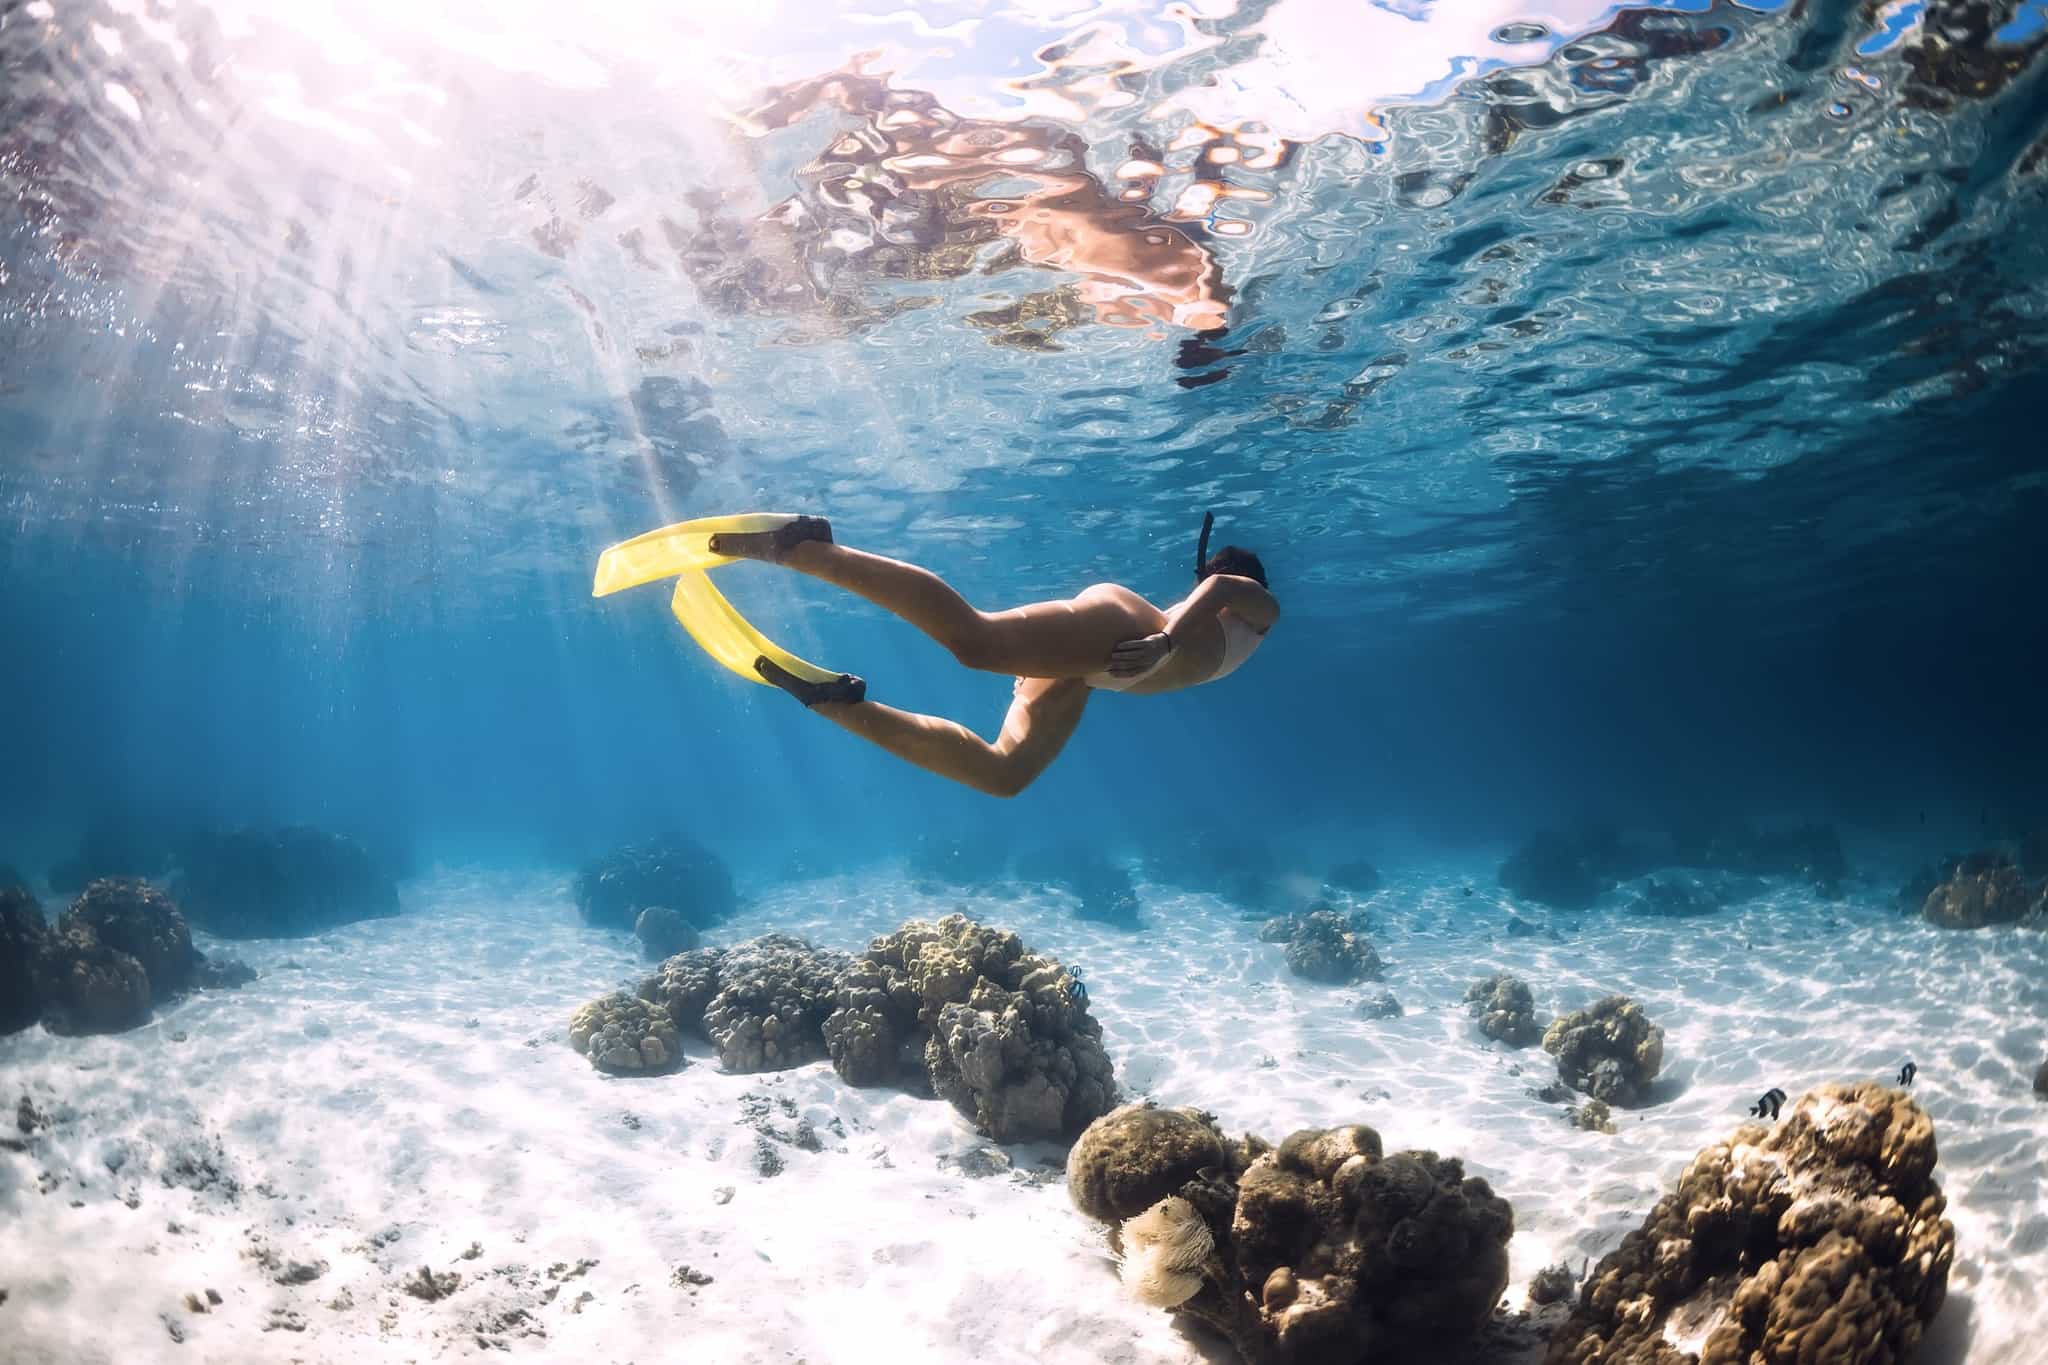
<point>1133,657</point>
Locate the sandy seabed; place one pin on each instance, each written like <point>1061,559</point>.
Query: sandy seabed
<point>400,1094</point>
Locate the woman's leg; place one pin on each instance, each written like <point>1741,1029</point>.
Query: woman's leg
<point>1066,639</point>
<point>1042,717</point>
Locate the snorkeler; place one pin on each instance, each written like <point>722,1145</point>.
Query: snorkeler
<point>1106,638</point>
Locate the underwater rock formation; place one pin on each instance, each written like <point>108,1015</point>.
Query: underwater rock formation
<point>1219,862</point>
<point>1360,878</point>
<point>120,947</point>
<point>281,883</point>
<point>1552,1284</point>
<point>1811,854</point>
<point>1318,1250</point>
<point>1676,898</point>
<point>1568,870</point>
<point>1505,1009</point>
<point>1983,889</point>
<point>135,918</point>
<point>762,1004</point>
<point>1326,948</point>
<point>1136,1155</point>
<point>24,933</point>
<point>1817,1239</point>
<point>1322,945</point>
<point>663,933</point>
<point>1611,1051</point>
<point>1002,1033</point>
<point>625,1035</point>
<point>86,987</point>
<point>1380,1006</point>
<point>671,870</point>
<point>1106,893</point>
<point>1593,1116</point>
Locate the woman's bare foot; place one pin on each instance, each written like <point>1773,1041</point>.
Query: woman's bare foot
<point>771,546</point>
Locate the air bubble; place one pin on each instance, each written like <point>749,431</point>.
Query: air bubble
<point>1511,34</point>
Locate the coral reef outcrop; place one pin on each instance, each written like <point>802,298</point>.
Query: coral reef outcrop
<point>1380,1006</point>
<point>1104,889</point>
<point>281,883</point>
<point>1358,877</point>
<point>626,1035</point>
<point>672,870</point>
<point>135,918</point>
<point>1610,1051</point>
<point>1318,1250</point>
<point>1322,945</point>
<point>1811,853</point>
<point>120,947</point>
<point>1818,1239</point>
<point>1002,1033</point>
<point>1569,870</point>
<point>24,934</point>
<point>1136,1155</point>
<point>1505,1009</point>
<point>1980,890</point>
<point>1325,947</point>
<point>664,932</point>
<point>86,987</point>
<point>762,1003</point>
<point>1218,861</point>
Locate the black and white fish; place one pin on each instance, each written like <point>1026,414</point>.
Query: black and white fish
<point>1907,1073</point>
<point>1771,1100</point>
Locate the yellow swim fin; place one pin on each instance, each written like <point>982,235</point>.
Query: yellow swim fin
<point>683,552</point>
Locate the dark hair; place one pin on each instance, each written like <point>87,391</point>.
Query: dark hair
<point>1235,559</point>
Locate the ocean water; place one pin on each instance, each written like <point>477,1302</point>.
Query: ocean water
<point>1636,409</point>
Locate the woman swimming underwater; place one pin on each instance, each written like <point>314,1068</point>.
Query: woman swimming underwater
<point>1105,638</point>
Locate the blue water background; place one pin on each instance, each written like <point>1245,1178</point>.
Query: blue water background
<point>1550,549</point>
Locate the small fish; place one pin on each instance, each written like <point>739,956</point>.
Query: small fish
<point>1077,987</point>
<point>1907,1073</point>
<point>1771,1100</point>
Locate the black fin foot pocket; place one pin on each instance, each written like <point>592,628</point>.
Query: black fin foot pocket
<point>772,545</point>
<point>845,688</point>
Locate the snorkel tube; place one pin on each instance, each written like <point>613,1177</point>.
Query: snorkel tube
<point>1202,545</point>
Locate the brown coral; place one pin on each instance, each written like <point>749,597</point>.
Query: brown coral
<point>1984,889</point>
<point>1610,1051</point>
<point>1819,1239</point>
<point>623,1034</point>
<point>1505,1009</point>
<point>1324,1250</point>
<point>1002,1033</point>
<point>762,1003</point>
<point>133,917</point>
<point>1133,1157</point>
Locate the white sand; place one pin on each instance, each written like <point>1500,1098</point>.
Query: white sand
<point>357,1117</point>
